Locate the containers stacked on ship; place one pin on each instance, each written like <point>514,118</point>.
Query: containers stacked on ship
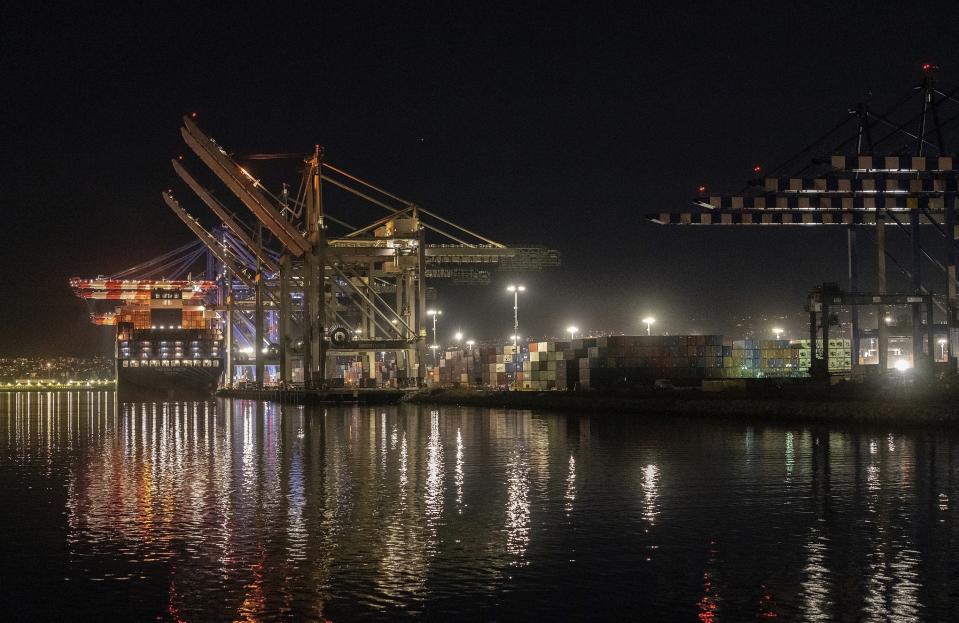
<point>169,342</point>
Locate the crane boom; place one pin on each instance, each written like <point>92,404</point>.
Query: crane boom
<point>240,183</point>
<point>211,243</point>
<point>222,214</point>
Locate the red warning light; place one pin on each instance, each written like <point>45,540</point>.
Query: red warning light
<point>180,157</point>
<point>193,115</point>
<point>702,189</point>
<point>757,169</point>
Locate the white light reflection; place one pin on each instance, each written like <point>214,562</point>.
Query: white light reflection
<point>892,590</point>
<point>434,471</point>
<point>296,530</point>
<point>458,476</point>
<point>383,442</point>
<point>517,502</point>
<point>790,456</point>
<point>815,584</point>
<point>570,496</point>
<point>650,485</point>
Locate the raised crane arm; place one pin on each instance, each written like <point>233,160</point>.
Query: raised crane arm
<point>227,219</point>
<point>242,185</point>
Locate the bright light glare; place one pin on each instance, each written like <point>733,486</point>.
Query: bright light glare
<point>902,365</point>
<point>572,329</point>
<point>458,336</point>
<point>649,320</point>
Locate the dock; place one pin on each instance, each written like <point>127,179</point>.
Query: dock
<point>300,396</point>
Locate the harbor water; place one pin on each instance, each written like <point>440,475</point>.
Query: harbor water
<point>236,510</point>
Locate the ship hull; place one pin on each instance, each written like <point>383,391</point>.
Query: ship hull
<point>165,380</point>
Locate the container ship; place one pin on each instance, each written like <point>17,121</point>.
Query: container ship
<point>166,338</point>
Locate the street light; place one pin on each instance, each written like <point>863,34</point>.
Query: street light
<point>515,290</point>
<point>469,380</point>
<point>434,313</point>
<point>572,332</point>
<point>778,332</point>
<point>458,336</point>
<point>942,344</point>
<point>649,320</point>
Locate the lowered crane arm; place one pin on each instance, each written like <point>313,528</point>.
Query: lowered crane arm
<point>224,216</point>
<point>211,243</point>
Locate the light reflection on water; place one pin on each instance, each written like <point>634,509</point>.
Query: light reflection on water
<point>239,510</point>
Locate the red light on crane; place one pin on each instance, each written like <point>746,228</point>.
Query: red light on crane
<point>702,189</point>
<point>757,169</point>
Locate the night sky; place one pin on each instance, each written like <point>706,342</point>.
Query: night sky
<point>532,125</point>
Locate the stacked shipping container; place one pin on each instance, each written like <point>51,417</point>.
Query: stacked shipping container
<point>621,361</point>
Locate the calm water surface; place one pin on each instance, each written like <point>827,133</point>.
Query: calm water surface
<point>238,510</point>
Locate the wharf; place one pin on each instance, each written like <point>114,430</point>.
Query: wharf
<point>772,403</point>
<point>76,386</point>
<point>372,396</point>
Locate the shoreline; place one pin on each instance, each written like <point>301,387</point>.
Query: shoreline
<point>829,406</point>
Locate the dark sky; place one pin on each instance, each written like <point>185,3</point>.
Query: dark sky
<point>536,125</point>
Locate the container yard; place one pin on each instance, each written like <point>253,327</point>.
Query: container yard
<point>631,360</point>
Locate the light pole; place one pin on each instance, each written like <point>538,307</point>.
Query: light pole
<point>572,333</point>
<point>469,380</point>
<point>515,290</point>
<point>649,320</point>
<point>434,313</point>
<point>778,332</point>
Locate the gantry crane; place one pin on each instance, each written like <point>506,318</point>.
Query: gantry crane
<point>905,177</point>
<point>362,290</point>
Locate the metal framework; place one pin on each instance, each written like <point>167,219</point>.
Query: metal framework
<point>905,177</point>
<point>301,285</point>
